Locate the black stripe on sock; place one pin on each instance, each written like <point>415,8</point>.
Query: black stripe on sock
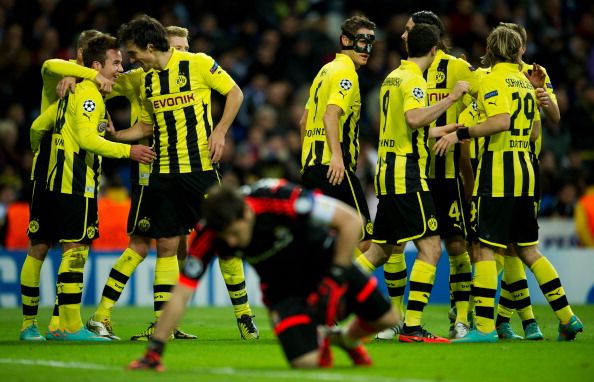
<point>461,295</point>
<point>235,287</point>
<point>559,303</point>
<point>118,276</point>
<point>415,305</point>
<point>396,291</point>
<point>162,288</point>
<point>518,285</point>
<point>510,304</point>
<point>550,286</point>
<point>239,300</point>
<point>527,322</point>
<point>461,277</point>
<point>483,292</point>
<point>395,276</point>
<point>69,298</point>
<point>111,293</point>
<point>484,311</point>
<point>158,305</point>
<point>29,291</point>
<point>501,319</point>
<point>56,311</point>
<point>416,286</point>
<point>523,303</point>
<point>70,277</point>
<point>30,310</point>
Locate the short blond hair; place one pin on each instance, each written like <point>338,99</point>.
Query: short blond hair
<point>519,29</point>
<point>175,31</point>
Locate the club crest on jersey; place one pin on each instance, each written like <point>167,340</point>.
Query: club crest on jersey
<point>439,77</point>
<point>369,228</point>
<point>418,93</point>
<point>101,126</point>
<point>181,80</point>
<point>89,105</point>
<point>345,84</point>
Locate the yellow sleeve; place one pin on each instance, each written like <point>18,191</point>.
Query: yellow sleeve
<point>466,72</point>
<point>582,226</point>
<point>41,125</point>
<point>213,75</point>
<point>414,93</point>
<point>63,68</point>
<point>493,97</point>
<point>342,88</point>
<point>90,110</point>
<point>549,87</point>
<point>127,84</point>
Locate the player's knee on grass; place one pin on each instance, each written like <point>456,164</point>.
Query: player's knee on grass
<point>307,361</point>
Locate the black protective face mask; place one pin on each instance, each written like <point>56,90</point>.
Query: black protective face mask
<point>368,39</point>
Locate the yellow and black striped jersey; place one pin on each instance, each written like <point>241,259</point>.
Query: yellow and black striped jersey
<point>505,168</point>
<point>441,78</point>
<point>176,101</point>
<point>402,154</point>
<point>79,121</point>
<point>537,146</point>
<point>129,84</point>
<point>52,72</point>
<point>337,83</point>
<point>472,116</point>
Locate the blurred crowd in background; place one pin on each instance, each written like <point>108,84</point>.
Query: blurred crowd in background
<point>273,49</point>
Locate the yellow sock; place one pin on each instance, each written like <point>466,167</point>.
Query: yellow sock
<point>460,281</point>
<point>365,264</point>
<point>116,282</point>
<point>499,262</point>
<point>232,271</point>
<point>54,323</point>
<point>551,287</point>
<point>30,276</point>
<point>518,286</point>
<point>483,292</point>
<point>70,286</point>
<point>395,277</point>
<point>166,275</point>
<point>422,277</point>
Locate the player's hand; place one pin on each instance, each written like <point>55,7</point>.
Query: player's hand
<point>335,173</point>
<point>440,131</point>
<point>216,145</point>
<point>142,154</point>
<point>326,302</point>
<point>105,84</point>
<point>536,76</point>
<point>542,97</point>
<point>461,88</point>
<point>110,130</point>
<point>66,84</point>
<point>441,147</point>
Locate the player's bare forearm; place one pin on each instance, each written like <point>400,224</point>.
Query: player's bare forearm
<point>132,134</point>
<point>233,102</point>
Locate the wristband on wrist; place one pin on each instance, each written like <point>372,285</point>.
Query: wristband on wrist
<point>463,133</point>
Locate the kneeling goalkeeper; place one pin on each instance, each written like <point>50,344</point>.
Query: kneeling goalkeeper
<point>301,243</point>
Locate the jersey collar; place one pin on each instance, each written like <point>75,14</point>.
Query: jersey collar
<point>174,58</point>
<point>410,66</point>
<point>341,57</point>
<point>505,67</point>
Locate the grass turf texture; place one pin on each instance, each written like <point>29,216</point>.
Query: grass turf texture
<point>220,355</point>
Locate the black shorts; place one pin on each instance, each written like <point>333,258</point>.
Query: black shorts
<point>139,215</point>
<point>507,220</point>
<point>349,192</point>
<point>296,327</point>
<point>74,218</point>
<point>448,197</point>
<point>404,217</point>
<point>40,223</point>
<point>175,201</point>
<point>470,212</point>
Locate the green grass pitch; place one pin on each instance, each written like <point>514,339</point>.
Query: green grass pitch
<point>219,354</point>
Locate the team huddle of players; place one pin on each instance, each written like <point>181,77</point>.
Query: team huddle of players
<point>457,160</point>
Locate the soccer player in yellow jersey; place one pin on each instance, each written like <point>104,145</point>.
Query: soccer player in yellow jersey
<point>39,241</point>
<point>330,123</point>
<point>505,207</point>
<point>176,97</point>
<point>450,180</point>
<point>129,84</point>
<point>406,210</point>
<point>79,122</point>
<point>514,286</point>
